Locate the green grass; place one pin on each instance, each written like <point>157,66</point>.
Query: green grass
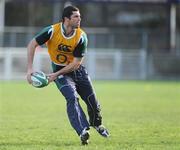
<point>140,116</point>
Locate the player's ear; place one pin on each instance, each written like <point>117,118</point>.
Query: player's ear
<point>66,18</point>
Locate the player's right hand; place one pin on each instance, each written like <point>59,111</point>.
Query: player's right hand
<point>28,76</point>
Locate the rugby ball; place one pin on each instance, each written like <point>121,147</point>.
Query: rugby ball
<point>39,79</point>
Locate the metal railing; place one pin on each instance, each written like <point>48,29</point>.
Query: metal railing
<point>101,64</point>
<point>97,37</point>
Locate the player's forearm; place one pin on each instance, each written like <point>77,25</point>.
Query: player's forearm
<point>69,68</point>
<point>31,50</point>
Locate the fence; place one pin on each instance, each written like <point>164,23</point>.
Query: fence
<point>111,64</point>
<point>120,38</point>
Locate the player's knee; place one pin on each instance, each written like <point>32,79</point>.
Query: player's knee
<point>93,102</point>
<point>69,94</point>
<point>72,99</point>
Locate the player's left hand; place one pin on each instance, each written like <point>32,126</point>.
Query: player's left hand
<point>52,77</point>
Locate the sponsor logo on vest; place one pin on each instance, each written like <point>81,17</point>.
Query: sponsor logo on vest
<point>64,48</point>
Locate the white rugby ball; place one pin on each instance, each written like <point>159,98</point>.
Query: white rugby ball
<point>39,79</point>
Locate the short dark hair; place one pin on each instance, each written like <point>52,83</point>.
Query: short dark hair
<point>68,11</point>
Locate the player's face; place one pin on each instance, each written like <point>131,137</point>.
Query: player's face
<point>75,19</point>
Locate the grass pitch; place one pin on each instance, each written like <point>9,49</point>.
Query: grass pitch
<point>139,115</point>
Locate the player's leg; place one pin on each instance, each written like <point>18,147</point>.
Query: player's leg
<point>87,93</point>
<point>93,106</point>
<point>75,113</point>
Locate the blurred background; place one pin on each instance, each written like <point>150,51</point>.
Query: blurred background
<point>128,39</point>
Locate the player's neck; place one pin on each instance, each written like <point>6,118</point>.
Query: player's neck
<point>68,30</point>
